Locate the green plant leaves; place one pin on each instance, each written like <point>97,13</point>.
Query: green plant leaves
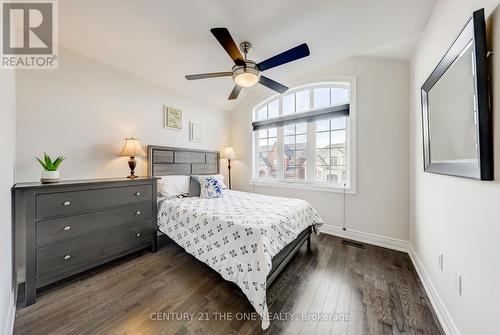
<point>58,162</point>
<point>48,164</point>
<point>41,163</point>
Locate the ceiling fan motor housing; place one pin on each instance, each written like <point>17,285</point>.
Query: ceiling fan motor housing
<point>245,47</point>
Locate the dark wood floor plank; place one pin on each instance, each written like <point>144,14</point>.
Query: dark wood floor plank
<point>344,298</point>
<point>400,325</point>
<point>332,294</point>
<point>383,294</point>
<point>330,281</point>
<point>356,324</point>
<point>301,281</point>
<point>300,271</point>
<point>126,307</point>
<point>303,302</point>
<point>378,288</point>
<point>428,321</point>
<point>334,291</point>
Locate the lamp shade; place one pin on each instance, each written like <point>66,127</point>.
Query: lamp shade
<point>132,148</point>
<point>228,153</point>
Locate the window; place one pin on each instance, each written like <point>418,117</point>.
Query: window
<point>330,150</point>
<point>302,138</point>
<point>295,151</point>
<point>266,153</point>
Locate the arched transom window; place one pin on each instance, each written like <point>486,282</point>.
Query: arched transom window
<point>304,137</point>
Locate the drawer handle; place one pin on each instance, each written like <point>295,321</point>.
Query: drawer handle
<point>138,234</point>
<point>66,203</point>
<point>138,213</point>
<point>137,193</point>
<point>67,228</point>
<point>67,257</point>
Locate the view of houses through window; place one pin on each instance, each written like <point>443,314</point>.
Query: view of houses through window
<point>304,152</point>
<point>267,151</point>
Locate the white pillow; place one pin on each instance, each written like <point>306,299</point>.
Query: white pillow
<point>210,187</point>
<point>219,177</point>
<point>171,186</point>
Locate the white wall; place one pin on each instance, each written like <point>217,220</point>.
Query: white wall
<point>381,204</point>
<point>461,217</point>
<point>85,109</point>
<point>7,129</point>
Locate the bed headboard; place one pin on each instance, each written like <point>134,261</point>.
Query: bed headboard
<point>164,161</point>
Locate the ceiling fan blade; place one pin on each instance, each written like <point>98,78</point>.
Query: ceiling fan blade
<point>234,93</point>
<point>274,85</point>
<point>288,56</point>
<point>208,75</point>
<point>224,37</point>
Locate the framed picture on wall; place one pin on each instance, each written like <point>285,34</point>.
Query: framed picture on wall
<point>196,131</point>
<point>173,118</point>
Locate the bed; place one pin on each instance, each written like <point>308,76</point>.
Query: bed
<point>247,238</point>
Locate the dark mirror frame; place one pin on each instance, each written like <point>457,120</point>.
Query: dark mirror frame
<point>475,31</point>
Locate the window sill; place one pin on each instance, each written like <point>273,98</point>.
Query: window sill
<point>301,186</point>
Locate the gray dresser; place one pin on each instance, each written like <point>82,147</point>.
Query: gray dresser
<point>73,226</point>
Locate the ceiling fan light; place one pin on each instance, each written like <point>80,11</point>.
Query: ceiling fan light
<point>246,77</point>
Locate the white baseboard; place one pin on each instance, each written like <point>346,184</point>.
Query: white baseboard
<point>442,313</point>
<point>8,328</point>
<point>378,240</point>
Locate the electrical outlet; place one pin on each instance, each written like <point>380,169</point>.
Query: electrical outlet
<point>458,282</point>
<point>441,260</point>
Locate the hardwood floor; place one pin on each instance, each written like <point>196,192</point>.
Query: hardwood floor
<point>375,290</point>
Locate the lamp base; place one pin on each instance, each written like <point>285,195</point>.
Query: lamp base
<point>131,165</point>
<point>229,171</point>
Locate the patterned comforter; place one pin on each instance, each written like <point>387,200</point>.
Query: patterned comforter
<point>237,235</point>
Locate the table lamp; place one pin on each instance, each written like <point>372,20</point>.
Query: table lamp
<point>132,149</point>
<point>229,154</point>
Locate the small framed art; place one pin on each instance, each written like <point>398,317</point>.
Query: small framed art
<point>196,131</point>
<point>173,118</point>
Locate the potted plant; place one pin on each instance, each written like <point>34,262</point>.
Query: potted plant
<point>50,173</point>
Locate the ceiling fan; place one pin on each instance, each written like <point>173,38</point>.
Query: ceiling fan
<point>245,72</point>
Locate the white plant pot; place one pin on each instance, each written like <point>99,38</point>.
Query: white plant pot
<point>49,176</point>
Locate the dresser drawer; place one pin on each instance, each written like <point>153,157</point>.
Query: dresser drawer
<point>64,259</point>
<point>56,230</point>
<point>54,204</point>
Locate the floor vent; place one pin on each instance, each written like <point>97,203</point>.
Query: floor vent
<point>353,244</point>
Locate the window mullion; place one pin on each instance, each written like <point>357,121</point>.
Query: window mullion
<point>311,143</point>
<point>347,156</point>
<point>279,144</point>
<point>255,154</point>
<point>279,159</point>
<point>311,152</point>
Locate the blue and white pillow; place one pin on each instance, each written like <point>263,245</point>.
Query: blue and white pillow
<point>210,187</point>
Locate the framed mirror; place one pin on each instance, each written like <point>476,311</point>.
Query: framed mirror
<point>456,117</point>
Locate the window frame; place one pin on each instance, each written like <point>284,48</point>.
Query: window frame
<point>309,183</point>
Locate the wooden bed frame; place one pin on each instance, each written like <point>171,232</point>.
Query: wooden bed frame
<point>164,161</point>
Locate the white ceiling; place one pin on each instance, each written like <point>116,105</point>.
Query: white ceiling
<point>401,49</point>
<point>161,41</point>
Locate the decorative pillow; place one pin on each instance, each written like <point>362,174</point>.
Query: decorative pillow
<point>194,185</point>
<point>171,186</point>
<point>210,187</point>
